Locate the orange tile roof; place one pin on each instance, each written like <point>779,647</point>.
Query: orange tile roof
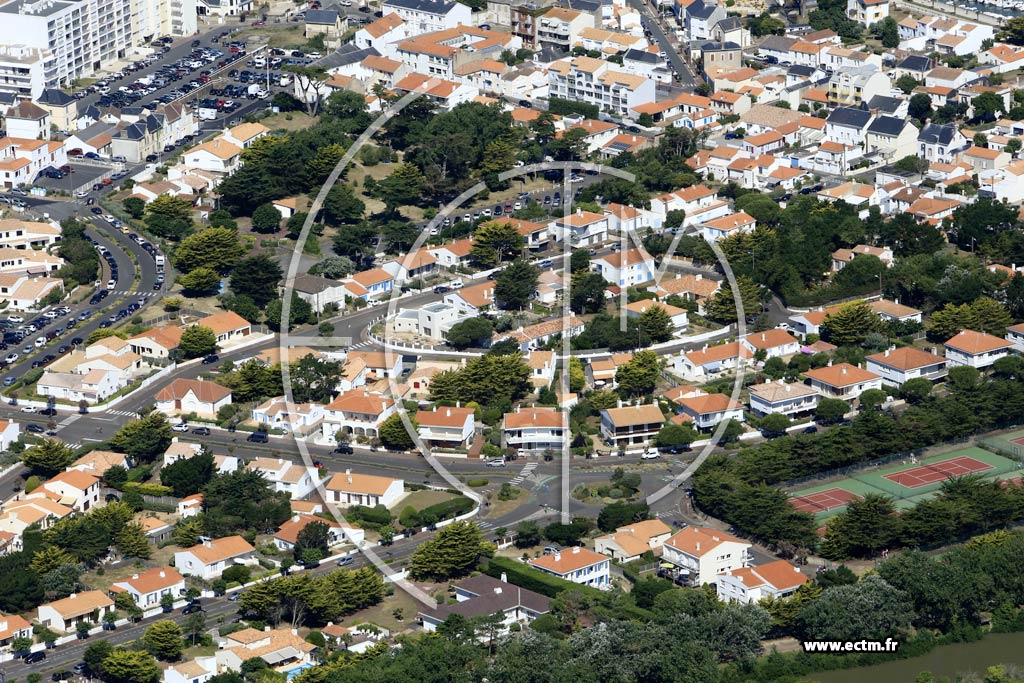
<point>155,579</point>
<point>770,339</point>
<point>699,541</point>
<point>225,321</point>
<point>76,478</point>
<point>708,403</point>
<point>569,560</point>
<point>973,343</point>
<point>445,416</point>
<point>360,401</point>
<point>220,549</point>
<point>647,413</point>
<point>779,574</point>
<point>905,358</point>
<point>207,392</point>
<point>351,482</point>
<point>534,417</point>
<point>840,375</point>
<point>717,353</point>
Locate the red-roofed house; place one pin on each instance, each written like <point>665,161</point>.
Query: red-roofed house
<point>775,342</point>
<point>975,349</point>
<point>357,412</point>
<point>707,410</point>
<point>533,430</point>
<point>74,488</point>
<point>446,426</point>
<point>842,381</point>
<point>711,361</point>
<point>627,268</point>
<point>705,554</point>
<point>151,585</point>
<point>778,579</point>
<point>184,396</point>
<point>896,366</point>
<point>578,565</point>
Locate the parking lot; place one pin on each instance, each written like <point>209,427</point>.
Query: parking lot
<point>83,177</point>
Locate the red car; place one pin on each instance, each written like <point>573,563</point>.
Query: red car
<point>67,169</point>
<point>76,152</point>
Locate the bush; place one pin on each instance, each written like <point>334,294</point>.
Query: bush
<point>147,489</point>
<point>371,518</point>
<point>236,573</point>
<point>476,483</point>
<point>446,510</point>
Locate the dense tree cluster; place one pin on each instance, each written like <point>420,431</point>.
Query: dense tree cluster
<point>304,599</point>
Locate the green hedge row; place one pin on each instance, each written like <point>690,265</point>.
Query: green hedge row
<point>147,489</point>
<point>432,514</point>
<point>532,579</point>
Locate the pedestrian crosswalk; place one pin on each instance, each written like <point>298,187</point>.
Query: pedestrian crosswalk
<point>122,413</point>
<point>484,524</point>
<point>128,292</point>
<point>526,472</point>
<point>664,514</point>
<point>360,345</point>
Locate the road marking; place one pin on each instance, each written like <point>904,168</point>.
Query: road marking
<point>70,419</point>
<point>484,525</point>
<point>123,413</point>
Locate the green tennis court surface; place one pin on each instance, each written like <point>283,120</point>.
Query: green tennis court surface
<point>909,482</point>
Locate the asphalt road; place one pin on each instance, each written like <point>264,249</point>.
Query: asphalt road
<point>652,24</point>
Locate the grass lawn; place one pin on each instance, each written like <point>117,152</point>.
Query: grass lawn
<point>200,650</point>
<point>425,498</point>
<point>383,614</point>
<point>502,507</point>
<point>357,174</point>
<point>298,121</point>
<point>278,35</point>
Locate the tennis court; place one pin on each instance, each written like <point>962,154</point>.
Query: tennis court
<point>924,475</point>
<point>823,501</point>
<point>907,483</point>
<point>1010,444</point>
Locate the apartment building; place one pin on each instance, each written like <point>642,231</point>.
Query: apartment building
<point>578,565</point>
<point>589,80</point>
<point>423,16</point>
<point>631,425</point>
<point>26,71</point>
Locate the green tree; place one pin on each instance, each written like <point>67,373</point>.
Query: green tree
<point>134,206</point>
<point>776,423</point>
<point>299,313</point>
<point>888,32</point>
<point>313,536</point>
<point>850,324</point>
<point>342,206</point>
<point>916,390</point>
<point>222,219</point>
<point>95,654</point>
<point>871,609</point>
<point>452,552</point>
<point>577,375</point>
<point>586,292</point>
<point>143,439</point>
<point>515,285</point>
<point>830,410</point>
<point>656,325</point>
<point>266,218</point>
<point>257,277</point>
<point>131,541</point>
<point>335,267</point>
<point>673,435</point>
<point>393,434</point>
<point>469,332</point>
<point>199,282</point>
<point>197,341</point>
<point>722,306</point>
<point>188,476</point>
<point>640,375</point>
<point>194,625</point>
<point>619,514</point>
<point>130,666</point>
<point>579,261</point>
<point>920,107</point>
<point>48,457</point>
<point>862,530</point>
<point>528,534</point>
<point>494,242</point>
<point>1012,31</point>
<point>907,83</point>
<point>404,186</point>
<point>48,558</point>
<point>987,105</point>
<point>217,248</point>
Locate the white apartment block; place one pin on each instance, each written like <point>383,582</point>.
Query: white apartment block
<point>424,16</point>
<point>584,79</point>
<point>83,36</point>
<point>705,554</point>
<point>26,70</point>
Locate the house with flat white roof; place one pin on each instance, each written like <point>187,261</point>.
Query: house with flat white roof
<point>578,565</point>
<point>746,585</point>
<point>975,349</point>
<point>896,366</point>
<point>705,554</point>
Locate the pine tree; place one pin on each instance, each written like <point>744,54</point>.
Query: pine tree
<point>131,541</point>
<point>850,324</point>
<point>452,552</point>
<point>48,457</point>
<point>164,640</point>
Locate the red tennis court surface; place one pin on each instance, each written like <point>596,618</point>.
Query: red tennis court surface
<point>1019,441</point>
<point>940,471</point>
<point>822,501</point>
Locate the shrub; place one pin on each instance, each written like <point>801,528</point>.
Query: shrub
<point>147,489</point>
<point>236,574</point>
<point>476,483</point>
<point>523,576</point>
<point>446,510</point>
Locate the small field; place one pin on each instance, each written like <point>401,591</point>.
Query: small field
<point>294,120</point>
<point>909,482</point>
<point>384,614</point>
<point>425,498</point>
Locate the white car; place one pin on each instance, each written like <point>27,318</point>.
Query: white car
<point>11,358</point>
<point>15,319</point>
<point>649,455</point>
<point>183,427</point>
<point>496,463</point>
<point>111,284</point>
<point>82,193</point>
<point>30,409</point>
<point>40,342</point>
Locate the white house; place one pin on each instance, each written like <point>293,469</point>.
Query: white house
<point>358,412</point>
<point>578,565</point>
<point>349,488</point>
<point>628,268</point>
<point>711,361</point>
<point>446,426</point>
<point>337,533</point>
<point>424,16</point>
<point>210,558</point>
<point>582,229</point>
<point>9,433</point>
<point>776,343</point>
<point>74,488</point>
<point>732,224</point>
<point>184,396</point>
<point>148,587</point>
<point>534,430</point>
<point>778,579</point>
<point>842,381</point>
<point>293,478</point>
<point>627,426</point>
<point>1014,335</point>
<point>705,410</point>
<point>216,155</point>
<point>975,349</point>
<point>301,418</point>
<point>705,554</point>
<point>787,399</point>
<point>65,614</point>
<point>896,366</point>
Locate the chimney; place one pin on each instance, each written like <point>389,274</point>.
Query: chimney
<point>135,577</point>
<point>558,557</point>
<point>789,388</point>
<point>620,403</point>
<point>295,632</point>
<point>266,629</point>
<point>73,596</point>
<point>698,546</point>
<point>764,337</point>
<point>844,370</point>
<point>504,578</point>
<point>888,351</point>
<point>830,362</point>
<point>575,550</point>
<point>163,574</point>
<point>497,590</point>
<point>448,412</point>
